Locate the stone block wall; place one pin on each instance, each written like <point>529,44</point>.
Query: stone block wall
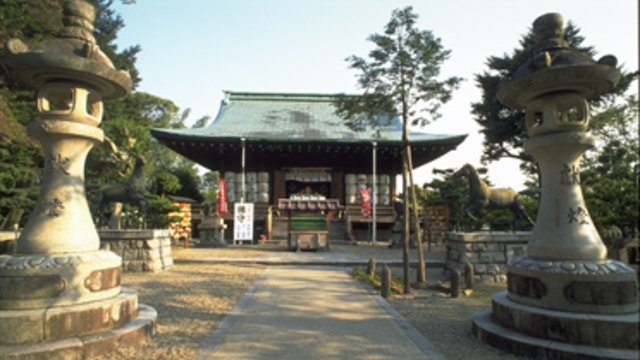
<point>488,252</point>
<point>141,250</point>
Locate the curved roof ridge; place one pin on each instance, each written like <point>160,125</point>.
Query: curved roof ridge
<point>279,96</point>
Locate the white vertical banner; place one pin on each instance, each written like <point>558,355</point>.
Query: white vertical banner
<point>242,222</point>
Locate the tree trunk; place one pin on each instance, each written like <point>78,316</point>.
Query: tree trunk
<point>421,276</point>
<point>406,234</point>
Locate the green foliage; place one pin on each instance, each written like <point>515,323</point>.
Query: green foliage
<point>202,122</point>
<point>610,171</point>
<point>30,21</point>
<point>17,179</point>
<point>503,127</point>
<point>451,190</point>
<point>157,212</point>
<point>107,25</point>
<point>20,158</point>
<point>360,273</point>
<point>190,182</point>
<point>210,189</point>
<point>400,76</point>
<point>400,79</point>
<point>126,121</point>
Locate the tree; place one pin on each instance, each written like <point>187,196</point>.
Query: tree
<point>400,79</point>
<point>126,122</point>
<point>190,181</point>
<point>201,122</point>
<point>451,190</point>
<point>503,127</point>
<point>610,170</point>
<point>20,157</point>
<point>107,25</point>
<point>210,191</point>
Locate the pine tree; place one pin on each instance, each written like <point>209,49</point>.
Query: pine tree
<point>503,127</point>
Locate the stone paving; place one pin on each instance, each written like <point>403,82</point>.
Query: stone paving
<point>314,312</point>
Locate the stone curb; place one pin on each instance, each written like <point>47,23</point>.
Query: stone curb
<point>285,262</point>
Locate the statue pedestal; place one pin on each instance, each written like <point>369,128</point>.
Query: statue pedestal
<point>67,306</point>
<point>76,331</point>
<point>541,333</point>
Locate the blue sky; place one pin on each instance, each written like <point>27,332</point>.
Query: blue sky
<point>192,50</point>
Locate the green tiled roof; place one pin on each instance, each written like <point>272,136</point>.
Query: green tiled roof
<point>289,118</point>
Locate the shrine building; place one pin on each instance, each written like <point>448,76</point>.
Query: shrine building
<point>284,152</point>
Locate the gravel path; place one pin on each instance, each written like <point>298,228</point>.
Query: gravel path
<point>192,299</point>
<point>446,322</point>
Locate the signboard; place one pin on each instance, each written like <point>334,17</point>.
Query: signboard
<point>222,197</point>
<point>242,222</point>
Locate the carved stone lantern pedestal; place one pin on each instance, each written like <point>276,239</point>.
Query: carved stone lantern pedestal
<point>565,300</point>
<point>60,295</point>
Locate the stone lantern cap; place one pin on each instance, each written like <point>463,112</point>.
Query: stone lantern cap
<point>72,56</point>
<point>554,67</point>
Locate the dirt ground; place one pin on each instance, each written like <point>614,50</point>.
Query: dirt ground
<point>192,299</point>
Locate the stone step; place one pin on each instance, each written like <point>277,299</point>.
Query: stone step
<point>524,345</point>
<point>336,230</point>
<point>89,346</point>
<point>606,330</point>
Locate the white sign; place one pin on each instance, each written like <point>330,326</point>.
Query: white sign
<point>242,222</point>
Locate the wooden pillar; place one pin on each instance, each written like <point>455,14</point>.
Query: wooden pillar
<point>279,186</point>
<point>337,186</point>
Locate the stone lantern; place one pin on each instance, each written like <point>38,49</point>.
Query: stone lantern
<point>565,299</point>
<point>59,292</point>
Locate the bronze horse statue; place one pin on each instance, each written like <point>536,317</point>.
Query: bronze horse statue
<point>133,191</point>
<point>482,196</point>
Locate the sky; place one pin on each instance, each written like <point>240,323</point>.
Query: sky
<point>193,50</point>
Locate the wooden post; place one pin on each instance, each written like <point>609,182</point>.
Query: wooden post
<point>455,283</point>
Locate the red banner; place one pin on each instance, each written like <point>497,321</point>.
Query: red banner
<point>365,202</point>
<point>222,197</point>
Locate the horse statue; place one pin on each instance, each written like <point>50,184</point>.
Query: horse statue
<point>482,196</point>
<point>133,191</point>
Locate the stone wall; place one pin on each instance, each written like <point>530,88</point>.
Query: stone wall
<point>489,252</point>
<point>141,250</point>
